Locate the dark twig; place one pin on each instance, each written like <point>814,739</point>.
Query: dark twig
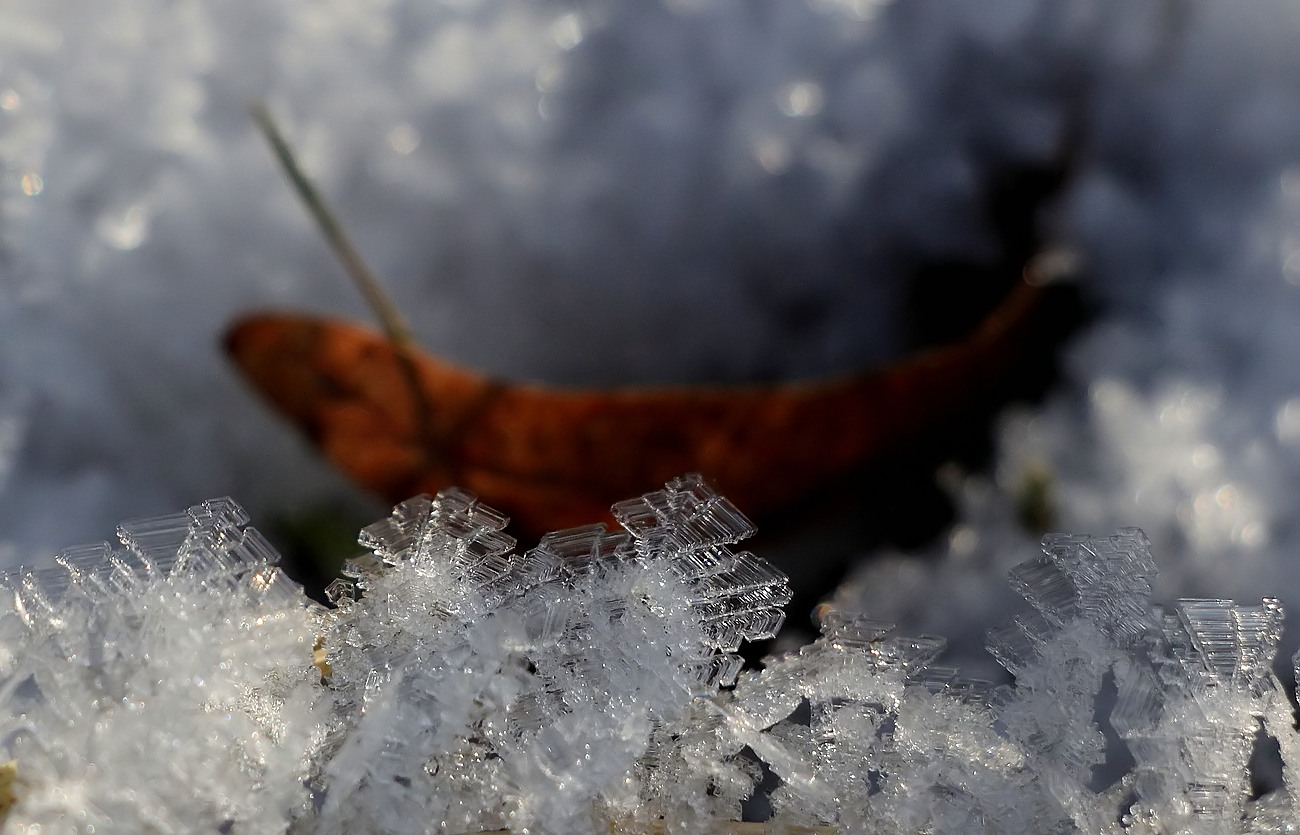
<point>390,317</point>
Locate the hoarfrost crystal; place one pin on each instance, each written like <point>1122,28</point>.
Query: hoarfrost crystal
<point>162,686</point>
<point>180,683</point>
<point>866,734</point>
<point>489,689</point>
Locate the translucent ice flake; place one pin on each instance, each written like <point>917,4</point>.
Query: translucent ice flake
<point>1106,580</point>
<point>1234,644</point>
<point>582,549</point>
<point>688,512</point>
<point>1193,722</point>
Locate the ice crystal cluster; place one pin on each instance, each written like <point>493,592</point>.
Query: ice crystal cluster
<point>160,686</point>
<point>487,689</point>
<point>875,738</point>
<point>181,683</point>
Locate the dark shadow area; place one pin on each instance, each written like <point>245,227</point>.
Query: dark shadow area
<point>895,500</point>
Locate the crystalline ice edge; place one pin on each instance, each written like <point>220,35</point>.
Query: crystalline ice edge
<point>162,686</point>
<point>180,683</point>
<point>483,688</point>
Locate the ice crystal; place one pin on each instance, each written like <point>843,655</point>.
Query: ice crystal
<point>484,688</point>
<point>162,686</point>
<point>180,683</point>
<point>866,734</point>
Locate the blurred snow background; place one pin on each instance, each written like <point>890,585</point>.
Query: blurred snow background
<point>599,191</point>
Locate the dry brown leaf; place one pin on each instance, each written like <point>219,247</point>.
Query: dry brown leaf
<point>556,457</point>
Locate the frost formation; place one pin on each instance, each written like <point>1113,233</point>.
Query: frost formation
<point>181,683</point>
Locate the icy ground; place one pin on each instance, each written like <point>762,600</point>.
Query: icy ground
<point>591,191</point>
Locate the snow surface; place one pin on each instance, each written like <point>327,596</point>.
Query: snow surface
<point>597,191</point>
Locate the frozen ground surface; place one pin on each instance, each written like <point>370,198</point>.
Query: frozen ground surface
<point>695,189</point>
